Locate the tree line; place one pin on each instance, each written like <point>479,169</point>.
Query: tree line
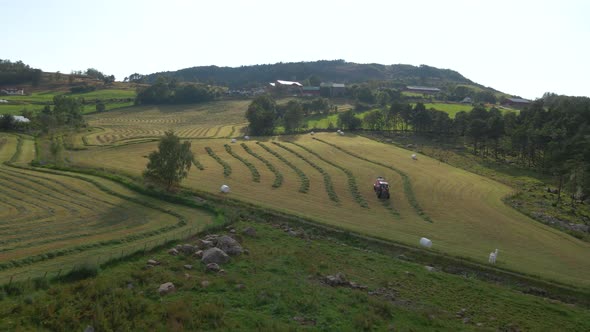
<point>65,113</point>
<point>18,73</point>
<point>166,91</point>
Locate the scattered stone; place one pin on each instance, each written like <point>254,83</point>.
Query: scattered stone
<point>461,313</point>
<point>198,253</point>
<point>130,285</point>
<point>233,231</point>
<point>153,262</point>
<point>466,320</point>
<point>292,233</point>
<point>408,273</point>
<point>205,283</point>
<point>173,252</point>
<point>336,280</point>
<point>246,252</point>
<point>221,272</point>
<point>187,276</point>
<point>166,288</point>
<point>479,324</point>
<point>89,328</point>
<point>229,245</point>
<point>249,231</point>
<point>212,267</point>
<point>429,268</point>
<point>304,321</point>
<point>188,267</point>
<point>240,286</point>
<point>214,255</point>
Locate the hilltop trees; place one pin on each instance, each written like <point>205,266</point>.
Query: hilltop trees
<point>171,163</point>
<point>170,92</point>
<point>18,72</point>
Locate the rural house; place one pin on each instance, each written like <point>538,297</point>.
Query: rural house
<point>333,89</point>
<point>281,87</point>
<point>12,91</point>
<point>516,102</point>
<point>422,89</point>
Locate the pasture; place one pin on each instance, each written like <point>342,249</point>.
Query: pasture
<point>52,221</point>
<point>327,179</point>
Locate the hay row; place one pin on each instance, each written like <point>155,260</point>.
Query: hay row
<point>327,179</point>
<point>408,190</point>
<point>226,167</point>
<point>351,179</point>
<point>278,175</point>
<point>251,167</point>
<point>304,187</point>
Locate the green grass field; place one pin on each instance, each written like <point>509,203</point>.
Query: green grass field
<point>468,216</point>
<point>53,220</point>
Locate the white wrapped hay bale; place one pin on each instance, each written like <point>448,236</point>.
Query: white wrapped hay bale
<point>341,133</point>
<point>233,140</point>
<point>414,156</point>
<point>224,189</point>
<point>425,242</point>
<point>312,133</point>
<point>246,137</point>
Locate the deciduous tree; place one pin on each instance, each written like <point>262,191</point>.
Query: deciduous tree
<point>171,163</point>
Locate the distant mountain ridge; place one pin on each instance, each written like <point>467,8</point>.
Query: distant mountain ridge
<point>324,70</point>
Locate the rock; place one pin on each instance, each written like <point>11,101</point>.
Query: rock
<point>166,288</point>
<point>129,285</point>
<point>466,320</point>
<point>240,286</point>
<point>249,231</point>
<point>173,252</point>
<point>479,324</point>
<point>212,267</point>
<point>292,233</point>
<point>336,280</point>
<point>153,262</point>
<point>214,255</point>
<point>246,252</point>
<point>429,268</point>
<point>229,245</point>
<point>187,248</point>
<point>204,244</point>
<point>221,272</point>
<point>233,231</point>
<point>198,253</point>
<point>409,274</point>
<point>205,283</point>
<point>188,267</point>
<point>89,328</point>
<point>187,276</point>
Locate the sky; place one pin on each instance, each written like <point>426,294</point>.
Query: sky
<point>524,48</point>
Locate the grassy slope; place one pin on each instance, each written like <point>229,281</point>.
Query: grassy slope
<point>470,219</point>
<point>278,287</point>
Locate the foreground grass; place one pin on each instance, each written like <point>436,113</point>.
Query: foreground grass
<point>279,286</point>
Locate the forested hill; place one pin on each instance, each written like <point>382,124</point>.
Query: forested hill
<point>335,71</point>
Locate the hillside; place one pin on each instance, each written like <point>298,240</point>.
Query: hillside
<point>334,70</point>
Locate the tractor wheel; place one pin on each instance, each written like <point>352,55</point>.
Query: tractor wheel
<point>387,195</point>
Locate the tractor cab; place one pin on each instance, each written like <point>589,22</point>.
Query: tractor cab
<point>381,187</point>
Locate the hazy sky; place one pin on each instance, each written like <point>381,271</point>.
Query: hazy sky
<point>524,48</point>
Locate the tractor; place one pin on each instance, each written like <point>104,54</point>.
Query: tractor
<point>381,188</point>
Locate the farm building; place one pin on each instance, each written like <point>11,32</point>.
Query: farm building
<point>332,89</point>
<point>281,87</point>
<point>516,102</point>
<point>12,91</point>
<point>311,91</point>
<point>422,89</point>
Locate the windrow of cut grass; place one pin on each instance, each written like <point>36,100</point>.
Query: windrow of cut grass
<point>251,167</point>
<point>354,190</point>
<point>304,180</point>
<point>278,175</point>
<point>327,178</point>
<point>227,170</point>
<point>406,180</point>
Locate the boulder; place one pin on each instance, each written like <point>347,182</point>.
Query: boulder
<point>173,252</point>
<point>166,288</point>
<point>229,245</point>
<point>204,244</point>
<point>249,231</point>
<point>153,262</point>
<point>213,267</point>
<point>214,255</point>
<point>429,268</point>
<point>188,267</point>
<point>205,283</point>
<point>187,249</point>
<point>336,280</point>
<point>198,253</point>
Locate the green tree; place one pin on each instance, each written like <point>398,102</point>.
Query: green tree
<point>262,115</point>
<point>347,120</point>
<point>100,107</point>
<point>171,163</point>
<point>293,118</point>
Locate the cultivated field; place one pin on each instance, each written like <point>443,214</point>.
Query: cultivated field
<point>329,179</point>
<point>220,119</point>
<point>52,221</point>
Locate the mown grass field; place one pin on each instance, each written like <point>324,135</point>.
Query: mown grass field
<point>461,212</point>
<point>279,286</point>
<point>52,221</point>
